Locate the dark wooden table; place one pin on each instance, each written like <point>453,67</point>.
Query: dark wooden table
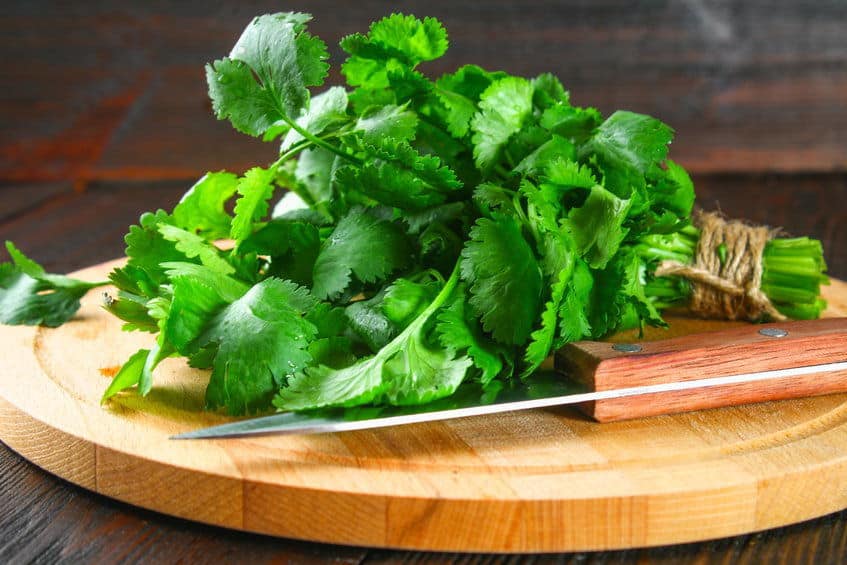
<point>103,115</point>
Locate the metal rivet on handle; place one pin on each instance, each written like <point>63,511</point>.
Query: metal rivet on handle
<point>773,332</point>
<point>627,347</point>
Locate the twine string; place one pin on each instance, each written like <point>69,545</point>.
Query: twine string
<point>729,289</point>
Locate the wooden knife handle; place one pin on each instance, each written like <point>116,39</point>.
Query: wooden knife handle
<point>606,366</point>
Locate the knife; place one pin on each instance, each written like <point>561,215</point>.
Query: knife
<point>618,381</point>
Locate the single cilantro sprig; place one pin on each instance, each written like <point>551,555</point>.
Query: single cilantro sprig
<point>31,296</point>
<point>266,78</point>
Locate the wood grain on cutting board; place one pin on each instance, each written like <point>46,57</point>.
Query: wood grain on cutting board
<point>533,481</point>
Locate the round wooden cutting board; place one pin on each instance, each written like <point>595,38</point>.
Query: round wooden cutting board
<point>544,480</point>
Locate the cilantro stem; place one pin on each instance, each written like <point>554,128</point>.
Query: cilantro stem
<point>516,201</point>
<point>293,150</point>
<point>509,159</point>
<point>321,143</point>
<point>792,271</point>
<point>501,170</point>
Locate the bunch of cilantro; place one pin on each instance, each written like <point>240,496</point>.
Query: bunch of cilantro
<point>431,232</point>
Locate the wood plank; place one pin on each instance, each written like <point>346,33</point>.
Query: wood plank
<point>19,198</point>
<point>69,229</point>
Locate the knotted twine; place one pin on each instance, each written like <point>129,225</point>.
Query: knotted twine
<point>729,289</point>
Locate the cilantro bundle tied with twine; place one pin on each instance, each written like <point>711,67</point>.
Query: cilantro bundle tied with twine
<point>430,234</point>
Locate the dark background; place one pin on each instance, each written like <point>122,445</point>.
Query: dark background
<point>115,90</point>
<point>104,114</point>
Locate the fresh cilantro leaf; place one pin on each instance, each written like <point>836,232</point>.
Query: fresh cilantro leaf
<point>256,188</point>
<point>625,147</point>
<point>370,75</point>
<point>147,249</point>
<point>566,173</point>
<point>563,188</point>
<point>548,91</point>
<point>558,266</point>
<point>279,236</point>
<point>31,296</point>
<point>202,208</point>
<point>315,172</point>
<point>503,108</point>
<point>505,278</point>
<point>198,294</point>
<point>459,332</point>
<point>193,245</point>
<point>329,320</point>
<point>363,246</point>
<point>228,287</point>
<point>333,352</point>
<point>382,62</point>
<point>324,111</point>
<point>236,96</point>
<point>570,122</point>
<point>379,123</point>
<point>261,337</point>
<point>597,226</point>
<point>556,149</point>
<point>405,300</point>
<point>133,311</point>
<point>459,92</point>
<point>418,221</point>
<point>407,370</point>
<point>620,288</point>
<point>573,310</point>
<point>266,77</point>
<point>129,374</point>
<point>523,143</point>
<point>423,373</point>
<point>418,40</point>
<point>401,177</point>
<point>630,139</point>
<point>401,37</point>
<point>369,323</point>
<point>491,198</point>
<point>409,87</point>
<point>673,190</point>
<point>292,246</point>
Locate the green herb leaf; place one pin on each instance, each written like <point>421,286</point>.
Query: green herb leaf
<point>400,177</point>
<point>193,245</point>
<point>597,226</point>
<point>503,108</point>
<point>202,208</point>
<point>198,294</point>
<point>505,279</point>
<point>261,337</point>
<point>255,188</point>
<point>128,376</point>
<point>459,332</point>
<point>31,296</point>
<point>363,246</point>
<point>459,92</point>
<point>266,77</point>
<point>408,370</point>
<point>324,111</point>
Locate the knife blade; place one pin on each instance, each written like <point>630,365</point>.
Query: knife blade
<point>613,381</point>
